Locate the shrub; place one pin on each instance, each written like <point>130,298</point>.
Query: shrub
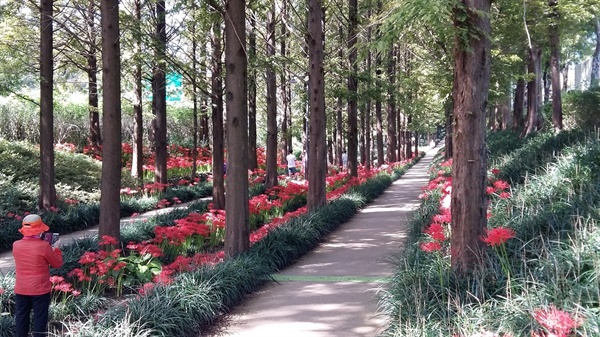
<point>582,108</point>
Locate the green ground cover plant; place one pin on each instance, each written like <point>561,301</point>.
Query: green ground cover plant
<point>542,278</point>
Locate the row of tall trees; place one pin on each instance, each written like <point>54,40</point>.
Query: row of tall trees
<point>363,76</point>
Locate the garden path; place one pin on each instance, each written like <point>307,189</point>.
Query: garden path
<point>332,291</point>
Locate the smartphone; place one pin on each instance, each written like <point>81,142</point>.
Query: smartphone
<point>51,238</point>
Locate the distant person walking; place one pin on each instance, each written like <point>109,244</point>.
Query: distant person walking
<point>291,164</point>
<point>33,256</point>
<point>344,160</point>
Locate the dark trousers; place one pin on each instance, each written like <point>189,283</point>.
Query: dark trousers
<point>24,304</point>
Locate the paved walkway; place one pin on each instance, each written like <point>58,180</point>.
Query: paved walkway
<point>331,292</point>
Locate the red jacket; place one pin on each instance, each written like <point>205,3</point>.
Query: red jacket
<point>33,257</point>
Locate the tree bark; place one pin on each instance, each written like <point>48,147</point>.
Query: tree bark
<point>391,106</point>
<point>554,33</point>
<point>533,89</point>
<point>378,103</point>
<point>449,146</point>
<point>338,133</point>
<point>92,70</point>
<point>47,198</point>
<point>159,97</point>
<point>367,129</point>
<point>252,156</point>
<point>218,157</point>
<point>595,72</point>
<point>111,119</point>
<point>237,230</point>
<point>316,85</point>
<point>470,92</point>
<point>137,161</point>
<point>352,89</point>
<point>519,103</point>
<point>271,78</point>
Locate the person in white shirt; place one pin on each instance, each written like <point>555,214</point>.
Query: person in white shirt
<point>344,159</point>
<point>291,163</point>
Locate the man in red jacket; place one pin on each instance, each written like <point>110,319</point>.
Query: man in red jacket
<point>33,256</point>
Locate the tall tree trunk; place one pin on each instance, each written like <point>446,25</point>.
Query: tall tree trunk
<point>448,111</point>
<point>252,155</point>
<point>546,83</point>
<point>367,129</point>
<point>218,157</point>
<point>595,72</point>
<point>92,70</point>
<point>352,89</point>
<point>194,98</point>
<point>159,97</point>
<point>555,65</point>
<point>236,227</point>
<point>111,119</point>
<point>339,133</point>
<point>401,125</point>
<point>47,198</point>
<point>137,163</point>
<point>271,78</point>
<point>378,114</point>
<point>286,140</point>
<point>471,70</point>
<point>565,77</point>
<point>533,89</point>
<point>519,103</point>
<point>391,106</point>
<point>318,119</point>
<point>408,138</point>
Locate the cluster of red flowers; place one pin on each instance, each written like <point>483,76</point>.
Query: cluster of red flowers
<point>436,232</point>
<point>555,322</point>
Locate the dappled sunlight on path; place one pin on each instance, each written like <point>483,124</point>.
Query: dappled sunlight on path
<point>332,291</point>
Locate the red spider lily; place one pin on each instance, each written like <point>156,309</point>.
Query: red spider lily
<point>501,185</point>
<point>499,235</point>
<point>444,217</point>
<point>429,247</point>
<point>559,323</point>
<point>436,231</point>
<point>495,171</point>
<point>447,163</point>
<point>490,190</point>
<point>504,195</point>
<point>2,291</point>
<point>108,241</point>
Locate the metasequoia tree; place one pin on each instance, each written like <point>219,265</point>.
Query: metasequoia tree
<point>111,118</point>
<point>595,71</point>
<point>271,78</point>
<point>237,210</point>
<point>137,161</point>
<point>554,37</point>
<point>352,88</point>
<point>470,90</point>
<point>159,95</point>
<point>218,158</point>
<point>47,198</point>
<point>391,105</point>
<point>78,40</point>
<point>317,151</point>
<point>252,156</point>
